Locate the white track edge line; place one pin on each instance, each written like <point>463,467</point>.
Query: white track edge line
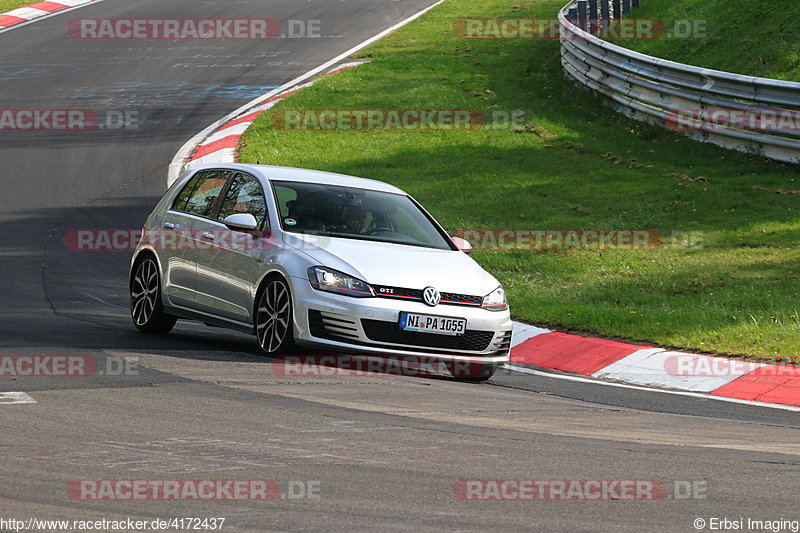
<point>581,379</point>
<point>176,166</point>
<point>16,398</point>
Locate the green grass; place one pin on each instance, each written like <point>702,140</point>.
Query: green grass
<point>8,5</point>
<point>575,164</point>
<point>745,36</point>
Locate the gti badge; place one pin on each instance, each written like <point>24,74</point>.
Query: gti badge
<point>431,296</point>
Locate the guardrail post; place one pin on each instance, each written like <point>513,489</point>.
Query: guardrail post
<point>616,8</point>
<point>594,27</point>
<point>605,11</point>
<point>582,14</point>
<point>626,7</point>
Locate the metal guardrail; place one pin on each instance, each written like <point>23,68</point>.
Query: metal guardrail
<point>745,113</point>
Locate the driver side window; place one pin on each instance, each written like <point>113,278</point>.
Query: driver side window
<point>244,195</point>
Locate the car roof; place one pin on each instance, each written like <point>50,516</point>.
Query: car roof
<point>276,173</point>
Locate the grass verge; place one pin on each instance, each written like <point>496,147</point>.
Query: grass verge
<point>8,5</point>
<point>573,164</point>
<point>743,36</point>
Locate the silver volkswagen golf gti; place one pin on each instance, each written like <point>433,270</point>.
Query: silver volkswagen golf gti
<point>305,257</point>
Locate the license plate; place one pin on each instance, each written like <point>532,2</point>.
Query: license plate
<point>440,325</point>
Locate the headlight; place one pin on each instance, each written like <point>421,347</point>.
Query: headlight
<point>495,300</point>
<point>328,280</point>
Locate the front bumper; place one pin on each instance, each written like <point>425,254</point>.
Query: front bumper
<point>370,325</point>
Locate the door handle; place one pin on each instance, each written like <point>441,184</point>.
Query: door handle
<point>169,225</point>
<point>207,235</point>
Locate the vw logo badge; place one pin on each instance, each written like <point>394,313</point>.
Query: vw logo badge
<point>431,296</point>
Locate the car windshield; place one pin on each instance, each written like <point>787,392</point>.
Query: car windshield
<point>352,213</point>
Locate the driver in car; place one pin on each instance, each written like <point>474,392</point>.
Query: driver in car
<point>354,220</point>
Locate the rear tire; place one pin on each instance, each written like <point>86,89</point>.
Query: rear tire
<point>274,317</point>
<point>147,310</point>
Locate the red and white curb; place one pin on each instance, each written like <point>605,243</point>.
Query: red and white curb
<point>721,377</point>
<point>38,10</point>
<point>220,146</point>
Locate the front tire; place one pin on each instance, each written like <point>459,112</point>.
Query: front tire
<point>147,310</point>
<point>274,317</point>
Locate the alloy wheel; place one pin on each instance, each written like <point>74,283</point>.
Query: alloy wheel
<point>144,292</point>
<point>274,315</point>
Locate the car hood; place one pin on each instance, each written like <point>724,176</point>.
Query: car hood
<point>397,265</point>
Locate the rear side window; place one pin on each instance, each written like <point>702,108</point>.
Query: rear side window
<point>244,196</point>
<point>199,195</point>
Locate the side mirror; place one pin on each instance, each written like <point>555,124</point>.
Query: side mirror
<point>241,222</point>
<point>462,245</point>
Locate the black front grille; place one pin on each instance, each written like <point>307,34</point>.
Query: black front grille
<point>461,299</point>
<point>398,292</point>
<point>447,298</point>
<point>390,332</point>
